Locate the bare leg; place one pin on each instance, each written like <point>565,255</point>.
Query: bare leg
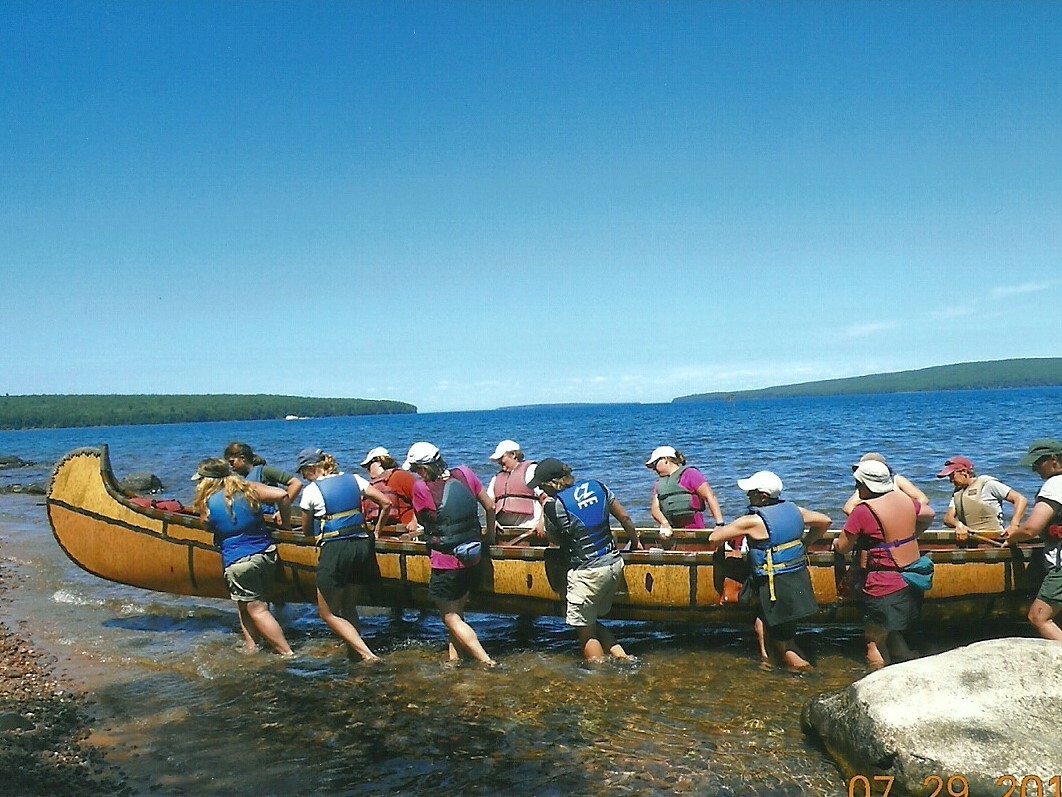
<point>761,639</point>
<point>792,655</point>
<point>591,645</point>
<point>595,639</point>
<point>877,643</point>
<point>874,657</point>
<point>259,616</point>
<point>1042,616</point>
<point>462,635</point>
<point>340,625</point>
<point>250,640</point>
<point>898,649</point>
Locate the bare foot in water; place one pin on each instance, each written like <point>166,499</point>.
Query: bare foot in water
<point>874,658</point>
<point>796,663</point>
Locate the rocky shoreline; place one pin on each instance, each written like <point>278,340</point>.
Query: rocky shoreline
<point>43,727</point>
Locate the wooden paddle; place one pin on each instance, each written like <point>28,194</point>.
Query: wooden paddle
<point>989,540</point>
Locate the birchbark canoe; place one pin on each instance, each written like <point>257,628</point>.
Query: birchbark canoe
<point>105,533</point>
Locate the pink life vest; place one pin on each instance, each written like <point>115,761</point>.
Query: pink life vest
<point>511,493</point>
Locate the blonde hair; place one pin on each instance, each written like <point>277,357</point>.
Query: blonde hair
<point>232,485</point>
<point>554,486</point>
<point>679,458</point>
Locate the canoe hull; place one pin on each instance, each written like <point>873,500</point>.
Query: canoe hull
<point>106,534</point>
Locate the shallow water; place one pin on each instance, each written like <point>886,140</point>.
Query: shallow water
<point>185,713</point>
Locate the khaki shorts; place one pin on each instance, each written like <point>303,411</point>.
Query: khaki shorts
<point>590,593</point>
<point>251,578</point>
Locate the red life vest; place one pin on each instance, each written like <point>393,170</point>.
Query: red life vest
<point>897,518</point>
<point>511,493</point>
<point>401,506</point>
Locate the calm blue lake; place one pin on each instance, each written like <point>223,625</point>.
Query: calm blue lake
<point>185,713</point>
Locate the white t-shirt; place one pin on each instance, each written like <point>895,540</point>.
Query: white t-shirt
<point>312,501</point>
<point>1052,490</point>
<point>993,492</point>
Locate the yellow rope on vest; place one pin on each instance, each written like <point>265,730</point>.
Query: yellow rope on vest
<point>770,568</point>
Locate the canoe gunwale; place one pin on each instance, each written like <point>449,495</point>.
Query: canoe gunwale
<point>682,578</point>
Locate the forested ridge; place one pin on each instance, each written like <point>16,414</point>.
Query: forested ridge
<point>1022,372</point>
<point>40,412</point>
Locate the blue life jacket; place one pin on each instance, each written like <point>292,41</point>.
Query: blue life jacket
<point>456,516</point>
<point>584,525</point>
<point>255,475</point>
<point>783,550</point>
<point>342,517</point>
<point>239,534</point>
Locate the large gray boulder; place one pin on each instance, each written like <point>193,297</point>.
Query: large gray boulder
<point>141,484</point>
<point>982,712</point>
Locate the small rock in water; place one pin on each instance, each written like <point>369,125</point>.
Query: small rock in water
<point>142,483</point>
<point>13,721</point>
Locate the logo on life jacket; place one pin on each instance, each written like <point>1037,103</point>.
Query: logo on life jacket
<point>584,496</point>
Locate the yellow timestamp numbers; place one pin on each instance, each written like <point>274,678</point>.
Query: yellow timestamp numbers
<point>957,786</point>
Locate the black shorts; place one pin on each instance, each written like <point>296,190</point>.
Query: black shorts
<point>447,586</point>
<point>895,612</point>
<point>347,561</point>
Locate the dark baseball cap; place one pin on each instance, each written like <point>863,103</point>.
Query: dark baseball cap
<point>546,471</point>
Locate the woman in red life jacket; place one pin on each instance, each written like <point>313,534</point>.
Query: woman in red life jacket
<point>393,482</point>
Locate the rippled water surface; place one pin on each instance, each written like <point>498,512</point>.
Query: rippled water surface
<point>186,713</point>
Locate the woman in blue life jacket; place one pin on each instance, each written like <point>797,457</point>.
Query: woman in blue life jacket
<point>332,515</point>
<point>577,519</point>
<point>446,501</point>
<point>777,548</point>
<point>231,508</point>
<point>244,461</point>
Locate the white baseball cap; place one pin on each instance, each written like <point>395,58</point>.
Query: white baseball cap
<point>762,481</point>
<point>875,476</point>
<point>659,453</point>
<point>420,454</point>
<point>504,447</point>
<point>375,453</point>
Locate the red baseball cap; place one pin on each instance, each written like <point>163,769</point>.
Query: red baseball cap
<point>954,464</point>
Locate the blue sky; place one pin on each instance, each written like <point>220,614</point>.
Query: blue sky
<point>471,205</point>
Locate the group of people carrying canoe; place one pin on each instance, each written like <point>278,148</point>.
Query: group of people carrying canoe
<point>425,498</point>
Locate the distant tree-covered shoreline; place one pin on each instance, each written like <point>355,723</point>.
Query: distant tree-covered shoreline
<point>51,412</point>
<point>1020,372</point>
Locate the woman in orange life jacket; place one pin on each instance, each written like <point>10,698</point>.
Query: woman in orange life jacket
<point>331,514</point>
<point>445,500</point>
<point>886,523</point>
<point>393,482</point>
<point>231,508</point>
<point>905,486</point>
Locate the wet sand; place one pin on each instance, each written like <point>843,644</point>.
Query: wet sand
<point>44,725</point>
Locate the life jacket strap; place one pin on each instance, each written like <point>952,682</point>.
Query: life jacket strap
<point>341,515</point>
<point>770,568</point>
